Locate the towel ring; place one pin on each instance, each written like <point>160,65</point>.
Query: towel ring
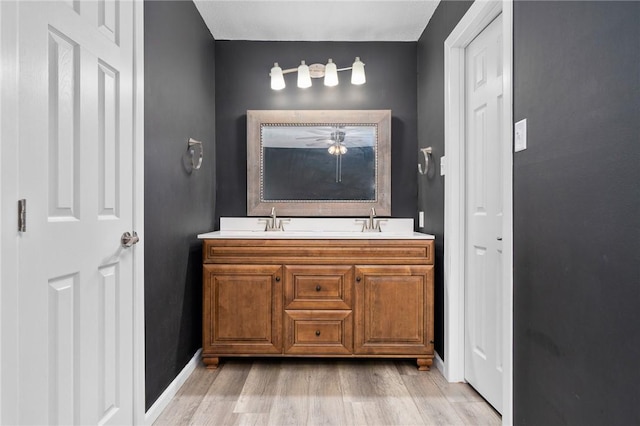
<point>196,163</point>
<point>427,153</point>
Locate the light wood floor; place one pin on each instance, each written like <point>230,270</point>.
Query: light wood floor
<point>324,392</point>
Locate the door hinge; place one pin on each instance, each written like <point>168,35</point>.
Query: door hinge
<point>22,215</point>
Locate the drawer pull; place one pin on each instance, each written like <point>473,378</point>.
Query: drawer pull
<point>278,279</point>
<point>359,279</point>
<point>317,332</point>
<point>318,288</point>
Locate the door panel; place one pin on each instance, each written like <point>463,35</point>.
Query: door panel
<point>483,333</point>
<point>75,170</point>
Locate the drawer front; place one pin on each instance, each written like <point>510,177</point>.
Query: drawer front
<point>318,287</point>
<point>318,332</point>
<point>325,252</point>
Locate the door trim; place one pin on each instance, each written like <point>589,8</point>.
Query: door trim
<point>479,15</point>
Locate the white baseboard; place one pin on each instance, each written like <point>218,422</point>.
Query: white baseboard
<point>439,363</point>
<point>171,390</point>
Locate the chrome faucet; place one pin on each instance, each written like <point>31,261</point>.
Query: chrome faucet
<point>371,225</point>
<point>272,223</point>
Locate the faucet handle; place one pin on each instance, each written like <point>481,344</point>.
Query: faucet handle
<point>365,224</point>
<point>282,222</point>
<point>377,225</point>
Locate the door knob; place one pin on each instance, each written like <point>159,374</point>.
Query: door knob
<point>127,239</point>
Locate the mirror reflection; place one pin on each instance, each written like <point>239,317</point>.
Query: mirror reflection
<point>319,162</point>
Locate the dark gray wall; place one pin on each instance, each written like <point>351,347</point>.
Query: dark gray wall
<point>179,104</point>
<point>577,213</point>
<point>242,83</point>
<point>431,133</point>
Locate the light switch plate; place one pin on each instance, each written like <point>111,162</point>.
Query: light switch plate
<point>421,219</point>
<point>520,137</point>
<point>442,164</point>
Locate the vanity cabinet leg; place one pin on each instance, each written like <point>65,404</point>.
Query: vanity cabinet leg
<point>211,363</point>
<point>424,364</point>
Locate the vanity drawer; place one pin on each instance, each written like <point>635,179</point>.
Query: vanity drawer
<point>318,287</point>
<point>318,332</point>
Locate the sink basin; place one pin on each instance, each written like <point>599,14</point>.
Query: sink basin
<point>314,228</point>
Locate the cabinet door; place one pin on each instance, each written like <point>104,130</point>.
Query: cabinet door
<point>242,309</point>
<point>394,310</point>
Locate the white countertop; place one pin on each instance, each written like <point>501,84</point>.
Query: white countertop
<point>315,228</point>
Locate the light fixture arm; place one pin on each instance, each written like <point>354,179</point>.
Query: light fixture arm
<point>318,73</point>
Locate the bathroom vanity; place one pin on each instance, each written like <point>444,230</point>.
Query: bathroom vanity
<point>316,293</point>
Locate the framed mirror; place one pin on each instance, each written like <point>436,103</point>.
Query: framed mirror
<point>319,163</point>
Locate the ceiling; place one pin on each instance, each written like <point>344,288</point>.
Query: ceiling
<point>307,20</point>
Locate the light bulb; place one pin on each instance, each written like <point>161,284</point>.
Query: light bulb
<point>277,79</point>
<point>357,72</point>
<point>330,74</point>
<point>304,78</point>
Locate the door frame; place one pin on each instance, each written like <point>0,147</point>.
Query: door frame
<point>479,15</point>
<point>9,154</point>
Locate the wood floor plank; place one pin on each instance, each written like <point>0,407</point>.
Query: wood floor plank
<point>477,413</point>
<point>356,380</point>
<point>326,405</point>
<point>219,401</point>
<point>408,367</point>
<point>257,393</point>
<point>188,398</point>
<point>363,413</point>
<point>290,406</point>
<point>456,392</point>
<point>379,382</point>
<point>431,402</point>
<point>252,419</point>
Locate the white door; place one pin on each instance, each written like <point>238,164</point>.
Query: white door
<point>75,309</point>
<point>483,252</point>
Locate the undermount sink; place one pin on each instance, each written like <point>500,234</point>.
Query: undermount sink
<point>314,228</point>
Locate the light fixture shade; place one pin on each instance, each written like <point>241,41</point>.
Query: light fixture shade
<point>357,72</point>
<point>277,79</point>
<point>330,74</point>
<point>337,149</point>
<point>304,78</point>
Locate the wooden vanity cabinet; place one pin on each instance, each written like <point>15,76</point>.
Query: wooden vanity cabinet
<point>336,298</point>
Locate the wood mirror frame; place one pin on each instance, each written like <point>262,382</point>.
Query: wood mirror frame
<point>308,122</point>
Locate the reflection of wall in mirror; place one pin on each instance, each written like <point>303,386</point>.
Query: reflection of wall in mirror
<point>310,174</point>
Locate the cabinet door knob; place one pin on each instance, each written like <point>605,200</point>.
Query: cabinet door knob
<point>358,279</point>
<point>318,288</point>
<point>317,332</point>
<point>278,279</point>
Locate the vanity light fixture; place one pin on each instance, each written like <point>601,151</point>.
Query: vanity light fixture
<point>306,72</point>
